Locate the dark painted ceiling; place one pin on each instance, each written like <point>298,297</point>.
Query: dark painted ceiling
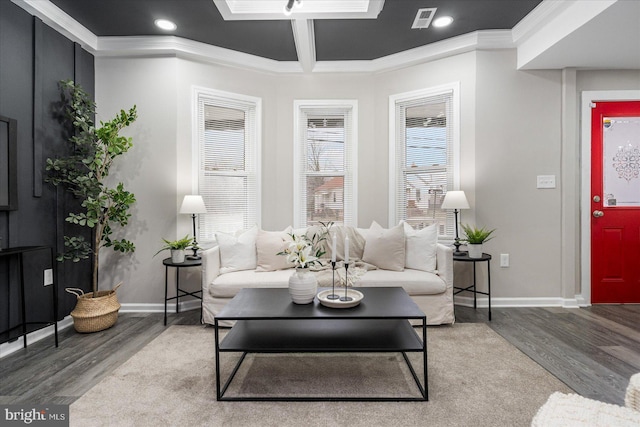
<point>335,39</point>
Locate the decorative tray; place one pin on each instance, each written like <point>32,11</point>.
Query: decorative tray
<point>336,303</point>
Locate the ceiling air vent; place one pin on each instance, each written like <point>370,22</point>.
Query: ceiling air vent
<point>424,17</point>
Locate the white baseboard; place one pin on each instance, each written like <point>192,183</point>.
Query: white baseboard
<point>35,336</point>
<point>482,302</point>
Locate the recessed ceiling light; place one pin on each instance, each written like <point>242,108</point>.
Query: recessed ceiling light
<point>443,21</point>
<point>165,24</point>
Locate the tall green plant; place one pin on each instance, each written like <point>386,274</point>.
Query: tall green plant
<point>83,172</point>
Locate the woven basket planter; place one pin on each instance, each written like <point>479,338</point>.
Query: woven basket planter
<point>95,314</point>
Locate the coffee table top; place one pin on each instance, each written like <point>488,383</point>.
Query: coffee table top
<point>269,303</point>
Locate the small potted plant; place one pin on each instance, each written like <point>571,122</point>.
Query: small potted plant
<point>475,238</point>
<point>177,248</point>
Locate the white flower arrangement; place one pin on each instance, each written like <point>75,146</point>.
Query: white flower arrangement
<point>304,251</point>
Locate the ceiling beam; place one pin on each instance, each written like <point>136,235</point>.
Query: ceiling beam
<point>305,40</point>
<point>562,20</point>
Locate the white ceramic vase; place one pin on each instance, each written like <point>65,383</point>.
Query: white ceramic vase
<point>177,256</point>
<point>475,250</point>
<point>303,286</point>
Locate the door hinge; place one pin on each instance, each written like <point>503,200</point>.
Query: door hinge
<point>592,104</point>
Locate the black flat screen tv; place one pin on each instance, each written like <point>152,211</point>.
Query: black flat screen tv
<point>8,164</point>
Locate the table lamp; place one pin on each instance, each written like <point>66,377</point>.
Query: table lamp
<point>455,200</point>
<point>193,204</point>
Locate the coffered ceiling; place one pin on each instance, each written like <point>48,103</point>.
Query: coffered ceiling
<point>375,35</point>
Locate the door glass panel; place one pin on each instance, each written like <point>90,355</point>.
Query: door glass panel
<point>621,161</point>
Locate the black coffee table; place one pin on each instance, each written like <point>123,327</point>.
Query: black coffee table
<point>268,322</point>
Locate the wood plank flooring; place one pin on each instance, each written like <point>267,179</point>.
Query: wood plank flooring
<point>593,350</point>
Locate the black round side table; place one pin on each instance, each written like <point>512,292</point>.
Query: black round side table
<point>472,288</point>
<point>178,265</point>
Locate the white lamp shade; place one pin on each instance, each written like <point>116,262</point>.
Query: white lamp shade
<point>193,205</point>
<point>455,200</point>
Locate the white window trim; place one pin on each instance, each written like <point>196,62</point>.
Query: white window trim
<point>453,87</point>
<point>352,151</point>
<point>197,91</point>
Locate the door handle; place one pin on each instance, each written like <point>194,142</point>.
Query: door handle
<point>598,214</point>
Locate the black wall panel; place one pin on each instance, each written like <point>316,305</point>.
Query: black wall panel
<point>16,102</point>
<point>33,58</point>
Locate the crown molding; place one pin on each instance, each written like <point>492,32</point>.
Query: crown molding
<point>479,40</point>
<point>539,17</point>
<point>142,46</point>
<point>150,46</point>
<point>54,17</point>
<point>176,46</point>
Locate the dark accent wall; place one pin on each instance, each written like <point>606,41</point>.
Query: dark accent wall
<point>33,58</point>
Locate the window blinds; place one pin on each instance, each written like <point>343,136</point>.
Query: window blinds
<point>424,160</point>
<point>325,165</point>
<point>227,178</point>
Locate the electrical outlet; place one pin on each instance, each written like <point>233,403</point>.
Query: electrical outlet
<point>48,277</point>
<point>504,260</point>
<point>546,181</point>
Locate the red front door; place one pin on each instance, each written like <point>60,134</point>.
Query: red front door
<point>615,202</point>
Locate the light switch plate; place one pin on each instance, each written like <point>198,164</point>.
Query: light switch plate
<point>546,181</point>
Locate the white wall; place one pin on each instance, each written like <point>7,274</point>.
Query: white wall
<point>511,131</point>
<point>460,69</point>
<point>518,124</point>
<point>148,170</point>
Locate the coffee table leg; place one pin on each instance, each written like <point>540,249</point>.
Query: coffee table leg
<point>217,337</point>
<point>424,357</point>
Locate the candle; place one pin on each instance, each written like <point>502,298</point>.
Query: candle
<point>333,248</point>
<point>346,249</point>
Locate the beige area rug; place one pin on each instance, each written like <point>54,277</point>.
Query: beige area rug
<point>476,378</point>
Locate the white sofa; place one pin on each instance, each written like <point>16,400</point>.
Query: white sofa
<point>431,290</point>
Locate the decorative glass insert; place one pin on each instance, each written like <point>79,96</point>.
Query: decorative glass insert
<point>621,161</point>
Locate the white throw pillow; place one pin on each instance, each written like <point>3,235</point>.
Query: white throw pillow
<point>421,247</point>
<point>268,244</point>
<point>385,248</point>
<point>237,252</point>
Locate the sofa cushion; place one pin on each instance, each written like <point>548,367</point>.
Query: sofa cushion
<point>228,285</point>
<point>420,247</point>
<point>415,282</point>
<point>268,245</point>
<point>385,248</point>
<point>237,252</point>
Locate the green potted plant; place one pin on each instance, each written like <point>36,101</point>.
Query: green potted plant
<point>475,237</point>
<point>104,208</point>
<point>177,248</point>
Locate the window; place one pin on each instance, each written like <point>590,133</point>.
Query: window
<point>325,162</point>
<point>423,153</point>
<point>228,139</point>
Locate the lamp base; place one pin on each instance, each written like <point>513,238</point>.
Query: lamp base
<point>457,251</point>
<point>193,257</point>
